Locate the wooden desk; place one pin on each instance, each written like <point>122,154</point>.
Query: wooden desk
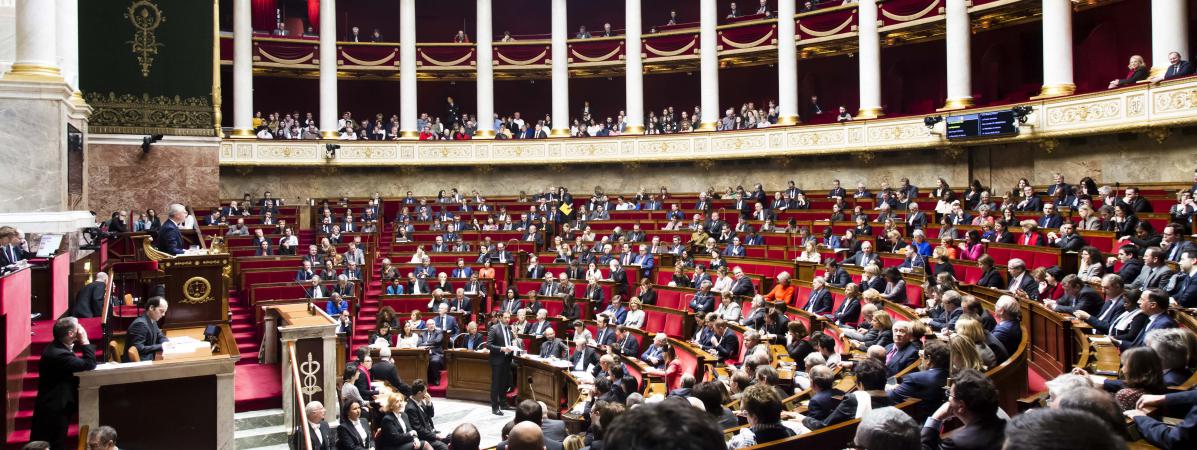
<point>538,380</point>
<point>469,375</point>
<point>194,393</point>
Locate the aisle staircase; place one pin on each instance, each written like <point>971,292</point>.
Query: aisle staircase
<point>42,337</point>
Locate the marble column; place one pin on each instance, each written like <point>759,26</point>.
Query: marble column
<point>787,65</point>
<point>633,69</point>
<point>709,66</point>
<point>243,70</point>
<point>560,55</point>
<point>328,69</point>
<point>1169,33</point>
<point>869,57</point>
<point>486,72</point>
<point>37,43</point>
<point>958,40</point>
<point>1057,49</point>
<point>407,70</point>
<point>68,44</point>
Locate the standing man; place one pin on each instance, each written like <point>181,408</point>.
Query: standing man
<point>499,342</point>
<point>170,240</point>
<point>57,388</point>
<point>144,334</point>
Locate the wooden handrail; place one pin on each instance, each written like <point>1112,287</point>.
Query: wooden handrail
<point>299,406</point>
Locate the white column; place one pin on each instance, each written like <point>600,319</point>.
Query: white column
<point>560,126</point>
<point>787,64</point>
<point>958,39</point>
<point>486,72</point>
<point>243,70</point>
<point>37,35</point>
<point>68,43</point>
<point>709,82</point>
<point>1169,32</point>
<point>328,69</point>
<point>869,56</point>
<point>1057,49</point>
<point>633,69</point>
<point>407,69</point>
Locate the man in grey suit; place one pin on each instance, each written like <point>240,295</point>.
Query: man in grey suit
<point>1155,271</point>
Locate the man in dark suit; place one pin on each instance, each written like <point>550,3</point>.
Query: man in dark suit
<point>434,340</point>
<point>603,335</point>
<point>700,275</point>
<point>384,370</point>
<point>500,255</point>
<point>170,240</point>
<point>584,359</point>
<point>534,270</point>
<point>420,410</point>
<point>865,256</point>
<point>1176,67</point>
<point>12,246</point>
<point>926,385</point>
<point>1050,219</point>
<point>1184,289</point>
<point>1008,331</point>
<point>628,345</point>
<point>1155,272</point>
<point>724,343</point>
<point>703,300</point>
<point>819,301</point>
<point>952,311</point>
<point>1111,308</point>
<point>742,285</point>
<point>144,334</point>
<point>473,339</point>
<point>973,400</point>
<point>902,353</point>
<point>1154,304</point>
<point>90,300</point>
<point>823,399</point>
<point>319,433</point>
<point>1020,279</point>
<point>500,342</point>
<point>1067,240</point>
<point>848,313</point>
<point>552,346</point>
<point>57,387</point>
<point>836,276</point>
<point>1077,296</point>
<point>620,278</point>
<point>915,219</point>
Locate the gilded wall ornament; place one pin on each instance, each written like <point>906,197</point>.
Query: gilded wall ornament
<point>146,18</point>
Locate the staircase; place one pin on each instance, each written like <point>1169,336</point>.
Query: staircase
<point>263,429</point>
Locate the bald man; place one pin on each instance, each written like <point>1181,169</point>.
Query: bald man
<point>464,437</point>
<point>525,436</point>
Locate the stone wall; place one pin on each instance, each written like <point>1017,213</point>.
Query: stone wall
<point>1121,158</point>
<point>176,170</point>
<point>34,117</point>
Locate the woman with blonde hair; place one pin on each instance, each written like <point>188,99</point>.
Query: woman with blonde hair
<point>1137,71</point>
<point>972,329</point>
<point>880,332</point>
<point>810,253</point>
<point>964,354</point>
<point>396,432</point>
<point>635,317</point>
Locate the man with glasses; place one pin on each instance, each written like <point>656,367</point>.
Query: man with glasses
<point>972,398</point>
<point>102,438</point>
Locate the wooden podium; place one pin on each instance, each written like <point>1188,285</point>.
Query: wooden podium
<point>186,397</point>
<point>309,339</point>
<point>469,375</point>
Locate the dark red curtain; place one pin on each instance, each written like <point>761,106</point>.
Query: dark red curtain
<point>314,14</point>
<point>263,14</point>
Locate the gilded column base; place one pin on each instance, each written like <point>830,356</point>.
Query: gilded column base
<point>633,129</point>
<point>788,120</point>
<point>1055,90</point>
<point>329,135</point>
<point>243,133</point>
<point>869,113</point>
<point>559,132</point>
<point>409,134</point>
<point>35,73</point>
<point>707,126</point>
<point>957,103</point>
<point>484,134</point>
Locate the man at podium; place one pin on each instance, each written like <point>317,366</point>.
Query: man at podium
<point>170,240</point>
<point>144,334</point>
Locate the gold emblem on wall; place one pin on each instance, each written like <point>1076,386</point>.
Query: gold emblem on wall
<point>197,290</point>
<point>146,18</point>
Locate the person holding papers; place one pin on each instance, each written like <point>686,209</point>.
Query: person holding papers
<point>501,343</point>
<point>144,334</point>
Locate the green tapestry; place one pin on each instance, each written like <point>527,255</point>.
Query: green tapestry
<point>145,66</point>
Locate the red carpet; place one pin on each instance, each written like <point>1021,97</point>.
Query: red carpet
<point>256,386</point>
<point>42,336</point>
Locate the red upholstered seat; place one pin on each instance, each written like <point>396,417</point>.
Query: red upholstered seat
<point>674,325</point>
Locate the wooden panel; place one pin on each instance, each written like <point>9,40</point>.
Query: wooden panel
<point>469,375</point>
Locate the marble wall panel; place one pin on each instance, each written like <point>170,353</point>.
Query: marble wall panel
<point>33,155</point>
<point>120,176</point>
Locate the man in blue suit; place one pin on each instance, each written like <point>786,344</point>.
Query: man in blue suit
<point>1184,286</point>
<point>1050,219</point>
<point>1008,331</point>
<point>926,385</point>
<point>170,240</point>
<point>446,322</point>
<point>645,261</point>
<point>902,353</point>
<point>823,399</point>
<point>462,271</point>
<point>1154,304</point>
<point>819,302</point>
